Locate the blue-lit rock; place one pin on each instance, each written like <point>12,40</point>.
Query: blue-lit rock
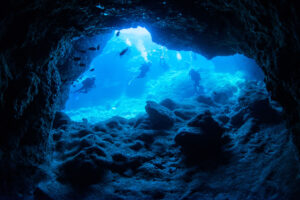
<point>60,119</point>
<point>160,117</point>
<point>168,103</point>
<point>82,158</point>
<point>130,158</point>
<point>254,103</point>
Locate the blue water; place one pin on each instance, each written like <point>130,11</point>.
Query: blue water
<point>119,91</point>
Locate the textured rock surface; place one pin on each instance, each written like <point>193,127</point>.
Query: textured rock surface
<point>108,162</point>
<point>160,117</point>
<point>201,140</point>
<point>38,37</point>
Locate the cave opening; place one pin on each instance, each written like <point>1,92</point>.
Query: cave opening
<point>221,137</point>
<point>131,69</point>
<point>144,117</point>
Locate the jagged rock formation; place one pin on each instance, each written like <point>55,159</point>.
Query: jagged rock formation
<point>201,139</point>
<point>159,116</point>
<point>196,158</point>
<point>37,37</point>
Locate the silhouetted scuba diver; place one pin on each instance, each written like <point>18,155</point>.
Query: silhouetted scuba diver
<point>124,51</point>
<point>144,69</point>
<point>87,85</point>
<point>195,76</point>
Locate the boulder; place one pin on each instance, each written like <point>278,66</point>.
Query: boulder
<point>206,123</point>
<point>116,123</point>
<point>60,119</point>
<point>82,158</point>
<point>100,127</point>
<point>159,116</point>
<point>168,103</point>
<point>224,95</point>
<point>202,139</point>
<point>263,112</point>
<point>85,168</point>
<point>256,105</point>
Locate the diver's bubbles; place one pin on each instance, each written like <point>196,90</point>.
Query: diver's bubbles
<point>178,56</point>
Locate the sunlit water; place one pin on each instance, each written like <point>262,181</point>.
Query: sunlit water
<point>118,91</point>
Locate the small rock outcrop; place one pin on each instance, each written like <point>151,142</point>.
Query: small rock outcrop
<point>85,168</point>
<point>82,159</point>
<point>201,140</point>
<point>60,119</point>
<point>254,103</point>
<point>168,103</point>
<point>160,117</point>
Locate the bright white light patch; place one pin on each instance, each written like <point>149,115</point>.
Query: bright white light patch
<point>135,31</point>
<point>141,47</point>
<point>178,56</point>
<point>128,42</point>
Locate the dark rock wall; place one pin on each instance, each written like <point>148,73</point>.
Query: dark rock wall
<point>37,37</point>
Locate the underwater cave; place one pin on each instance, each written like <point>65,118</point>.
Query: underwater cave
<point>149,100</point>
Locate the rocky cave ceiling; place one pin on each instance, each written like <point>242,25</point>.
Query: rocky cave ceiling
<point>36,37</point>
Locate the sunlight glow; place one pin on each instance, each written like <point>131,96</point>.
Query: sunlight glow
<point>178,56</point>
<point>148,71</point>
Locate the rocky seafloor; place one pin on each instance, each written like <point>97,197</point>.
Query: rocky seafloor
<point>206,148</point>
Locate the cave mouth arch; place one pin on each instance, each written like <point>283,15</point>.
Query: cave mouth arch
<point>203,131</point>
<point>31,82</point>
<point>120,88</point>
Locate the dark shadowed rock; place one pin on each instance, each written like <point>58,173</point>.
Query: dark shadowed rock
<point>254,103</point>
<point>201,140</point>
<point>83,169</point>
<point>239,118</point>
<point>60,119</point>
<point>39,194</point>
<point>206,100</point>
<point>223,96</point>
<point>118,157</point>
<point>263,112</point>
<point>206,123</point>
<point>137,146</point>
<point>168,103</point>
<point>81,156</point>
<point>100,127</point>
<point>160,117</point>
<point>198,145</point>
<point>116,123</point>
<point>57,135</point>
<point>224,119</point>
